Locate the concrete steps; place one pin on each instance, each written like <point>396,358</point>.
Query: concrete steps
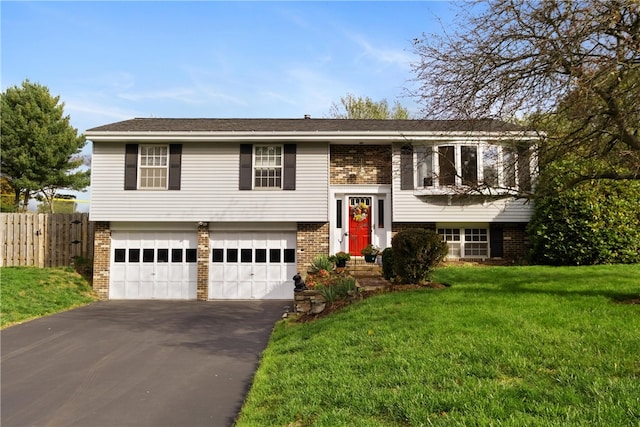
<point>368,276</point>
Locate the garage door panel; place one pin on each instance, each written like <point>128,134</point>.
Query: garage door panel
<point>117,289</point>
<point>161,290</point>
<point>243,290</point>
<point>152,265</point>
<point>259,261</point>
<point>145,290</point>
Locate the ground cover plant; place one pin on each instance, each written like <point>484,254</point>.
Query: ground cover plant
<point>30,292</point>
<point>507,346</point>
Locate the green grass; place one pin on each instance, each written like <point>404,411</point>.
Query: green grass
<point>30,292</point>
<point>503,346</point>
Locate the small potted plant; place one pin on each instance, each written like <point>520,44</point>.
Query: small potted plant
<point>340,259</point>
<point>370,253</point>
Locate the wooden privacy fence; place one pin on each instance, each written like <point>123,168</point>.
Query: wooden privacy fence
<point>44,240</point>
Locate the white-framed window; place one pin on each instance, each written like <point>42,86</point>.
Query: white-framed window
<point>466,242</point>
<point>154,167</point>
<point>474,165</point>
<point>267,170</point>
<point>476,242</point>
<point>452,237</point>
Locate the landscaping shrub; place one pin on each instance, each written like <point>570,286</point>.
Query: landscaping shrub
<point>84,266</point>
<point>346,285</point>
<point>416,252</point>
<point>596,222</point>
<point>387,263</point>
<point>338,290</point>
<point>321,262</point>
<point>328,292</point>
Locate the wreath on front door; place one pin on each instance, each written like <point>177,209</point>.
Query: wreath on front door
<point>359,212</point>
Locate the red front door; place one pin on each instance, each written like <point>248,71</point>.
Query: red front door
<point>359,224</point>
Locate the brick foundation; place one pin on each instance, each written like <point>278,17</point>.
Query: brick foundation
<point>312,240</point>
<point>360,164</point>
<point>202,292</point>
<point>515,241</point>
<point>101,259</point>
<point>515,238</point>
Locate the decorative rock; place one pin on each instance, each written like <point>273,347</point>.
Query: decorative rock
<point>303,307</point>
<point>318,308</point>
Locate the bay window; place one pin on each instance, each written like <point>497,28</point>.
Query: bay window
<point>425,166</point>
<point>473,165</point>
<point>469,164</point>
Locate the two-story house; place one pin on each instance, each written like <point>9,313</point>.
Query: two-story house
<point>233,208</point>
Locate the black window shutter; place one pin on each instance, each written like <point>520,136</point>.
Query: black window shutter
<point>246,173</point>
<point>289,181</point>
<point>131,167</point>
<point>496,240</point>
<point>175,166</point>
<point>406,168</point>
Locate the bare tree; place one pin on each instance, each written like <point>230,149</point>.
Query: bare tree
<point>353,107</point>
<point>572,66</point>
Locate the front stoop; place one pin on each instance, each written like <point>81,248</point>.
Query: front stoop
<point>368,276</point>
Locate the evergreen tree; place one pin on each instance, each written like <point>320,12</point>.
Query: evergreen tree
<point>39,147</point>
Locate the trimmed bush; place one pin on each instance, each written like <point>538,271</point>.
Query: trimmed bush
<point>597,222</point>
<point>387,263</point>
<point>416,253</point>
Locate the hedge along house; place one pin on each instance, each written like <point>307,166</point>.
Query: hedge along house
<point>233,208</point>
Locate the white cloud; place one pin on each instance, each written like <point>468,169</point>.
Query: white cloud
<point>184,95</point>
<point>77,107</point>
<point>278,97</point>
<point>378,54</point>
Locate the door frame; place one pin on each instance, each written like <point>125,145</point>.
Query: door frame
<point>339,201</point>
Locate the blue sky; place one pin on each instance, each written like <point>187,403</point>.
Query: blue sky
<point>112,61</point>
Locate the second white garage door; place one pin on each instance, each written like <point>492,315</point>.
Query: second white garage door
<point>252,265</point>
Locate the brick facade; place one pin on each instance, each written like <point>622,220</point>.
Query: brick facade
<point>101,259</point>
<point>515,241</point>
<point>312,239</point>
<point>202,281</point>
<point>360,164</point>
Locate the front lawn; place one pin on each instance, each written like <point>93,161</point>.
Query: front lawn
<point>510,346</point>
<point>30,292</point>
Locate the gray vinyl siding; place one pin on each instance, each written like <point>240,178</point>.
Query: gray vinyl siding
<point>209,188</point>
<point>409,208</point>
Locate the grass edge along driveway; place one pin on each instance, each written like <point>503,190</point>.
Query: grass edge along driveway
<point>28,293</point>
<point>502,346</point>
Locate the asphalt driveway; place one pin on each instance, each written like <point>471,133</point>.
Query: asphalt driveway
<point>135,363</point>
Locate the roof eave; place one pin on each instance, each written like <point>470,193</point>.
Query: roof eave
<point>346,136</point>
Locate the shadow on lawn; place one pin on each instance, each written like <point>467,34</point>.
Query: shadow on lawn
<point>551,286</point>
<point>561,283</point>
<point>616,296</point>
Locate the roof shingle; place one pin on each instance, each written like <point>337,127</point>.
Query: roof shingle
<point>303,125</point>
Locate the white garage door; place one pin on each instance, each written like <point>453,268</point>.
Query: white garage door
<point>252,265</point>
<point>153,265</point>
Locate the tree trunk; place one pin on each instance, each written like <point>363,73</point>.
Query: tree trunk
<point>25,205</point>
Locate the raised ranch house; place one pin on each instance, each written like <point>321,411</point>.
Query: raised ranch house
<point>233,208</point>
